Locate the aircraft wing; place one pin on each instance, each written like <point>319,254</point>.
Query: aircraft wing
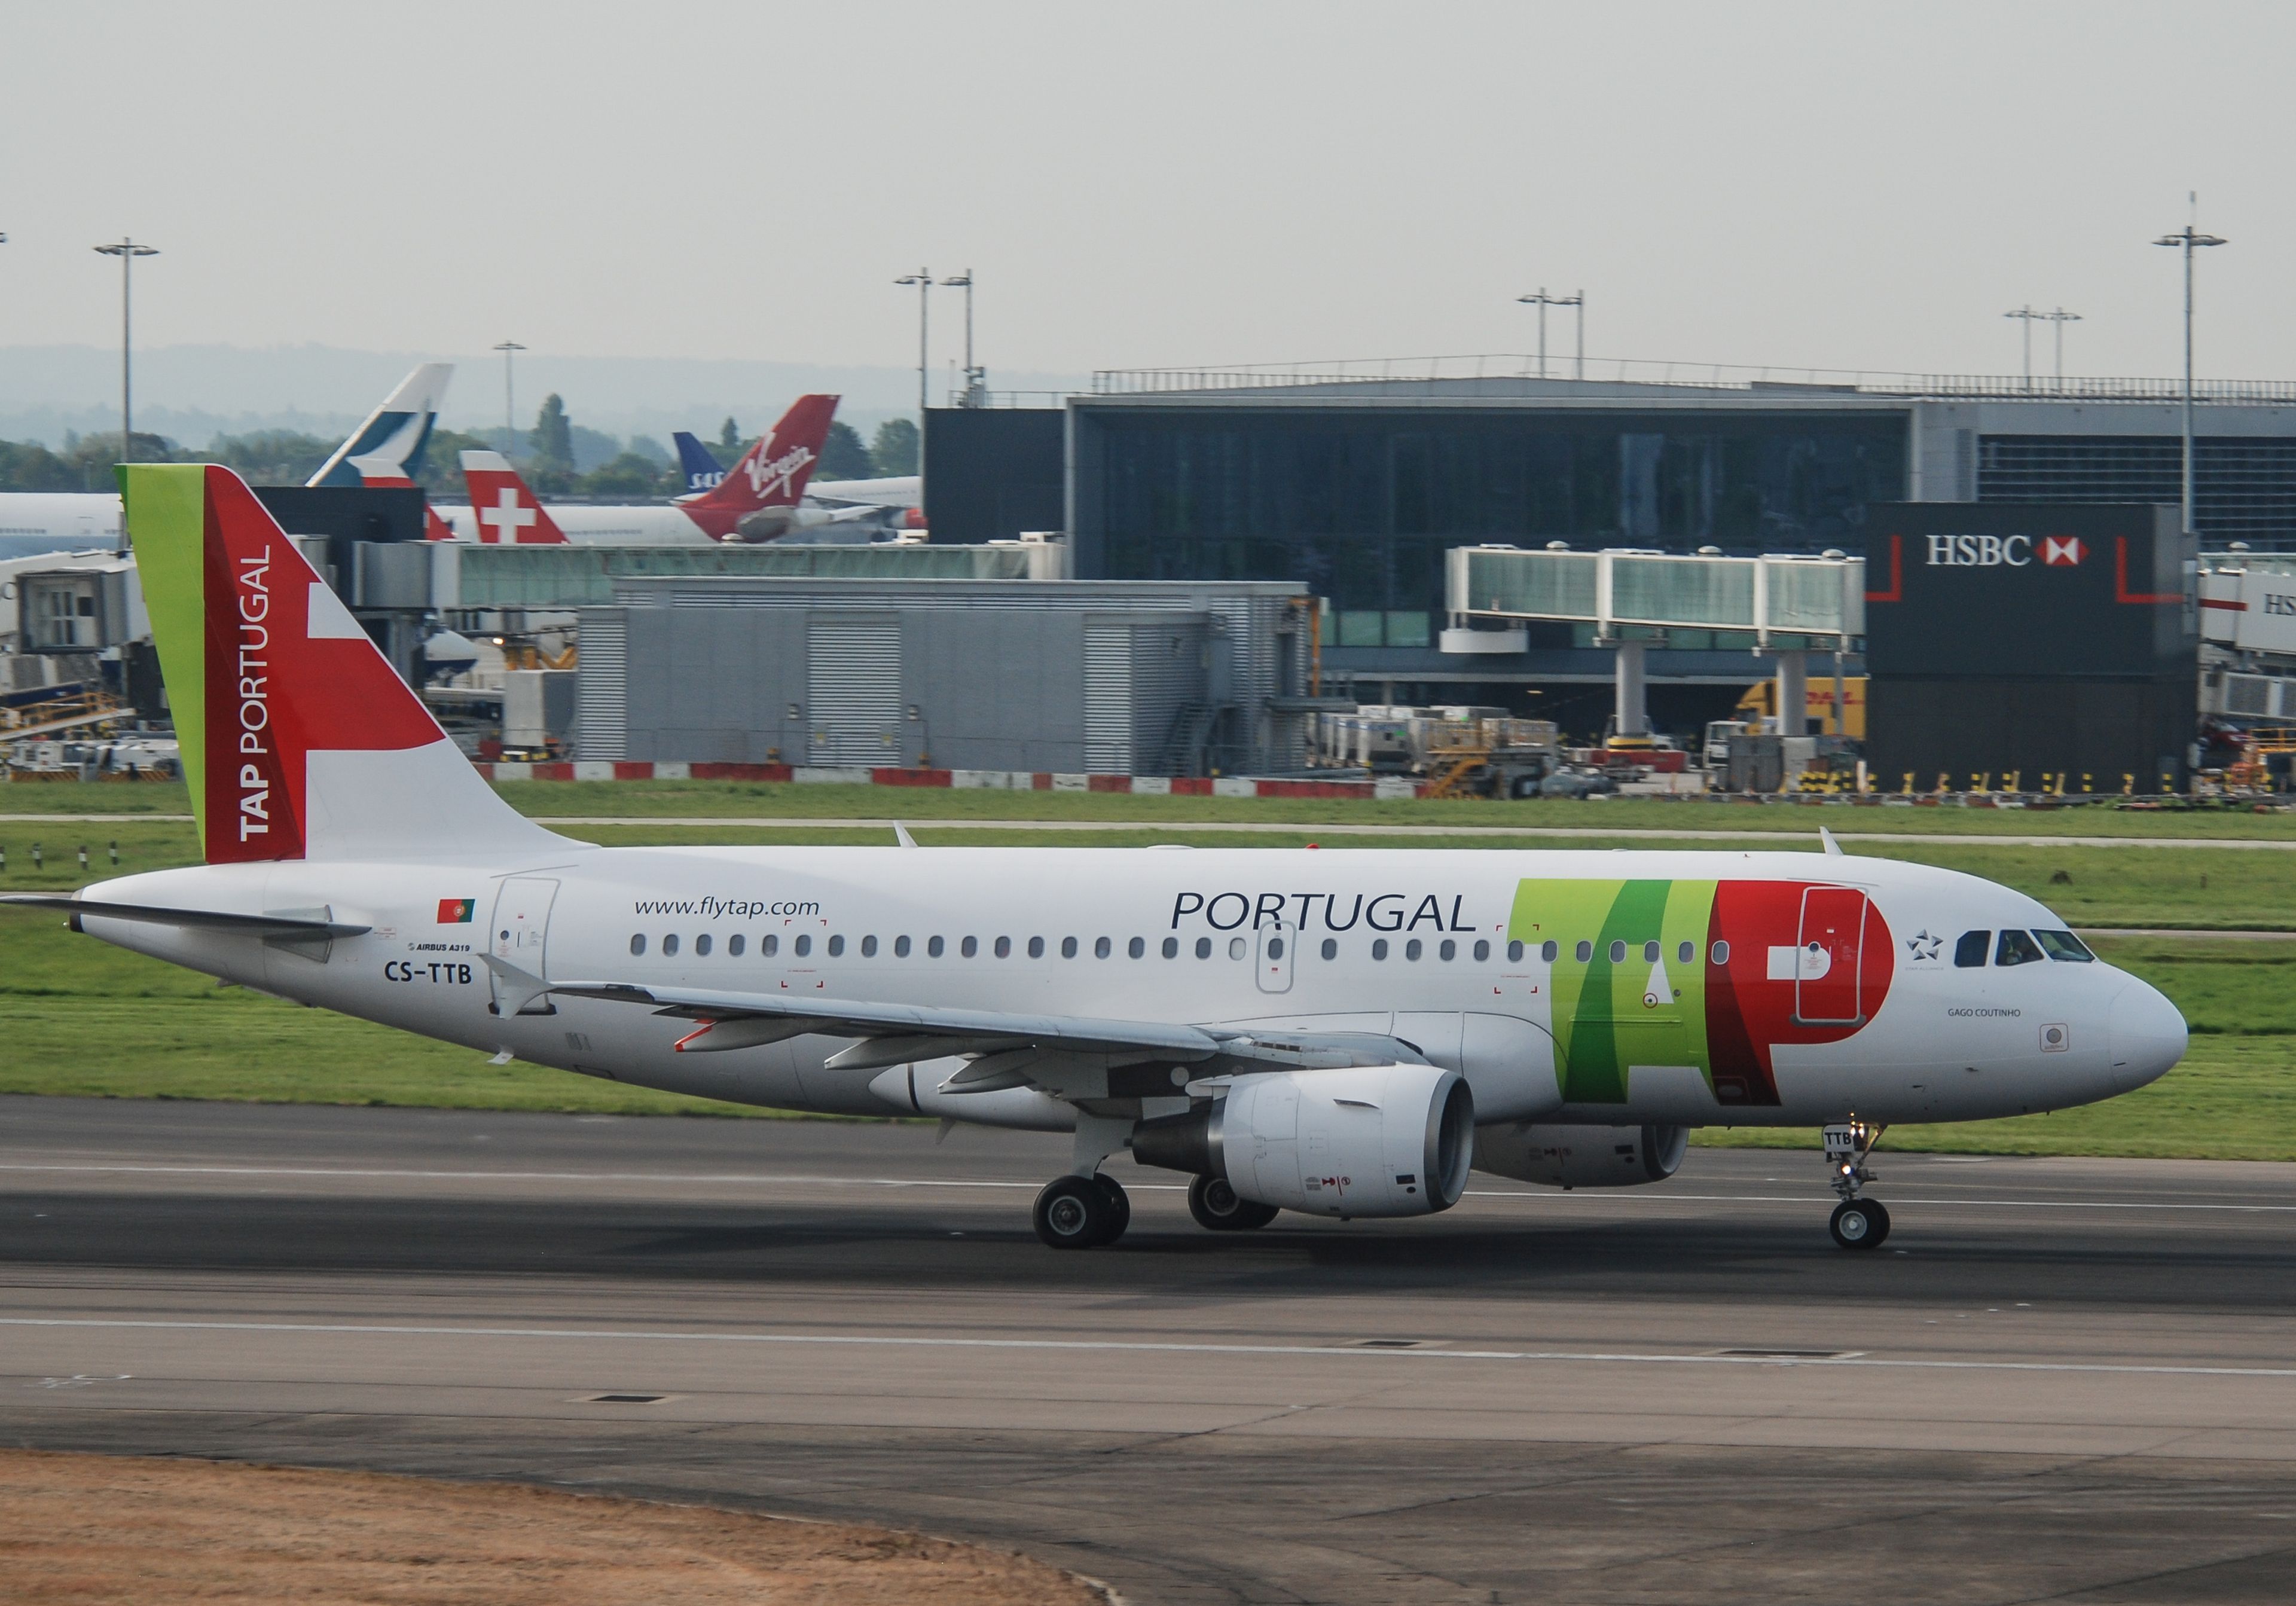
<point>1005,1049</point>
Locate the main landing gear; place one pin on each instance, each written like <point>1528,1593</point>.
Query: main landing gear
<point>1082,1212</point>
<point>1858,1222</point>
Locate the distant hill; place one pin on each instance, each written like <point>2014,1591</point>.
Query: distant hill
<point>192,393</point>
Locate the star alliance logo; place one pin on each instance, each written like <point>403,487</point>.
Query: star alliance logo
<point>1922,945</point>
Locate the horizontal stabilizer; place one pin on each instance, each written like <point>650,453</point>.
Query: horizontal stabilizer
<point>301,925</point>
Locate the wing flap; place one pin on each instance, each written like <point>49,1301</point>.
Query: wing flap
<point>308,925</point>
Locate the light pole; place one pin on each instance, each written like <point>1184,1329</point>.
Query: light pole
<point>2189,240</point>
<point>127,251</point>
<point>2061,318</point>
<point>1542,300</point>
<point>2026,315</point>
<point>972,375</point>
<point>509,414</point>
<point>922,280</point>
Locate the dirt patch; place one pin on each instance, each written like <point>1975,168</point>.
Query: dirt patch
<point>91,1529</point>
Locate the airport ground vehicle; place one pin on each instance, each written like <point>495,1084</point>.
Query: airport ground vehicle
<point>1342,1034</point>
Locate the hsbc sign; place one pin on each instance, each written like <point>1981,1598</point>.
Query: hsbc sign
<point>2005,551</point>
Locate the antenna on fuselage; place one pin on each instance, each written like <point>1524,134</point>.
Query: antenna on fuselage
<point>1832,847</point>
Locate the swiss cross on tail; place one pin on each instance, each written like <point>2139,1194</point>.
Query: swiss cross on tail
<point>2062,551</point>
<point>771,475</point>
<point>507,513</point>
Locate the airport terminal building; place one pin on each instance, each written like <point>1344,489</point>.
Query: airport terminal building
<point>1358,482</point>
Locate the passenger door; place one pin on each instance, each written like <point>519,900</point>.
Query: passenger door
<point>1826,959</point>
<point>520,936</point>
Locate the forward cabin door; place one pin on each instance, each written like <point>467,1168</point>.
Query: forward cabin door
<point>520,936</point>
<point>1826,961</point>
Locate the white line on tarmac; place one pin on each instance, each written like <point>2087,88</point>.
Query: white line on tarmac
<point>1136,1347</point>
<point>714,1179</point>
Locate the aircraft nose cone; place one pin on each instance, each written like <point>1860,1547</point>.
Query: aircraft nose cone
<point>2147,1035</point>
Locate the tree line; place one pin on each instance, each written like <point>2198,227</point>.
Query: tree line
<point>548,454</point>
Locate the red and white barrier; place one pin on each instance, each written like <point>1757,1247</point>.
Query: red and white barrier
<point>994,780</point>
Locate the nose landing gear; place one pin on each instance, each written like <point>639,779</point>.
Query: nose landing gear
<point>1858,1222</point>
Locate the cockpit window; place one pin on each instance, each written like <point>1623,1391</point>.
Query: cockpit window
<point>2063,945</point>
<point>1968,953</point>
<point>2016,948</point>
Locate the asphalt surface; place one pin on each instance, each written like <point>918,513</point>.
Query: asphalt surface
<point>2062,1381</point>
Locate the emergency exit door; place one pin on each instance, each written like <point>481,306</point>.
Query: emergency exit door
<point>520,937</point>
<point>1274,952</point>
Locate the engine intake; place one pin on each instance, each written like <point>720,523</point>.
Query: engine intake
<point>1375,1139</point>
<point>1581,1156</point>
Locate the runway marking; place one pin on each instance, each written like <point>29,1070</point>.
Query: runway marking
<point>781,1179</point>
<point>1134,1347</point>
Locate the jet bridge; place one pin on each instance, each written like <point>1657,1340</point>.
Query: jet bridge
<point>1779,605</point>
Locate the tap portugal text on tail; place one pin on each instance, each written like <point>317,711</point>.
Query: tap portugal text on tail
<point>1337,1033</point>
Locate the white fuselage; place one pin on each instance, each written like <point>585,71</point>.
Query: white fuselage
<point>598,525</point>
<point>1185,937</point>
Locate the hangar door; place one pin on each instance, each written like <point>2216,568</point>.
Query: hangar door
<point>853,690</point>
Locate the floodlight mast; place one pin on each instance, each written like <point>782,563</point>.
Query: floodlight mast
<point>2026,315</point>
<point>509,414</point>
<point>974,389</point>
<point>127,251</point>
<point>1542,300</point>
<point>2061,318</point>
<point>923,280</point>
<point>2188,240</point>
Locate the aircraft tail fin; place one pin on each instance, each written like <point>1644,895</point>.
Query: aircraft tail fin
<point>386,448</point>
<point>701,467</point>
<point>299,740</point>
<point>507,510</point>
<point>772,474</point>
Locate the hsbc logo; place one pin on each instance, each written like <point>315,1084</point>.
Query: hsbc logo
<point>2005,551</point>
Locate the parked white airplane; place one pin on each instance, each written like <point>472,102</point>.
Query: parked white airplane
<point>761,499</point>
<point>385,449</point>
<point>1343,1034</point>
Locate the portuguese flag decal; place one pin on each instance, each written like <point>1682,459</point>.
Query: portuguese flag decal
<point>456,911</point>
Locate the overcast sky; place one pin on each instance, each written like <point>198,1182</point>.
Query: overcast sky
<point>1832,184</point>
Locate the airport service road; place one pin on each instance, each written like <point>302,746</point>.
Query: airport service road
<point>2070,1379</point>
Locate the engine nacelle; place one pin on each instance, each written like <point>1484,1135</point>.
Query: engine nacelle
<point>1374,1140</point>
<point>765,524</point>
<point>1581,1156</point>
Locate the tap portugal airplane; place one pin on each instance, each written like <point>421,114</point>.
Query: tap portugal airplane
<point>1338,1033</point>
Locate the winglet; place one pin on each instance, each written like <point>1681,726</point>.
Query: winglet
<point>1832,847</point>
<point>901,834</point>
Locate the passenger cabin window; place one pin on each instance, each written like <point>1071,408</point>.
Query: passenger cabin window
<point>1275,947</point>
<point>701,944</point>
<point>1413,949</point>
<point>735,944</point>
<point>1720,953</point>
<point>901,947</point>
<point>837,946</point>
<point>637,943</point>
<point>868,947</point>
<point>669,945</point>
<point>1235,946</point>
<point>1101,948</point>
<point>1003,947</point>
<point>1618,953</point>
<point>1446,949</point>
<point>969,947</point>
<point>1482,951</point>
<point>1379,947</point>
<point>1649,953</point>
<point>1686,953</point>
<point>769,944</point>
<point>935,947</point>
<point>1549,951</point>
<point>1171,947</point>
<point>1330,947</point>
<point>2016,948</point>
<point>801,947</point>
<point>1067,947</point>
<point>1586,952</point>
<point>1204,946</point>
<point>2063,945</point>
<point>1968,953</point>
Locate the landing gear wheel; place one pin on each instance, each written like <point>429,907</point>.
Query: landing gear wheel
<point>1120,1207</point>
<point>1859,1224</point>
<point>1072,1213</point>
<point>1217,1208</point>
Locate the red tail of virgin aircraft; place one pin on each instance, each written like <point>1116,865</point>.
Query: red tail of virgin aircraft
<point>758,500</point>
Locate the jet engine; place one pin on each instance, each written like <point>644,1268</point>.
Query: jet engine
<point>1581,1156</point>
<point>765,524</point>
<point>1373,1140</point>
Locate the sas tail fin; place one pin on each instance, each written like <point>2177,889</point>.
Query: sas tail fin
<point>299,740</point>
<point>701,467</point>
<point>506,511</point>
<point>772,474</point>
<point>387,449</point>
